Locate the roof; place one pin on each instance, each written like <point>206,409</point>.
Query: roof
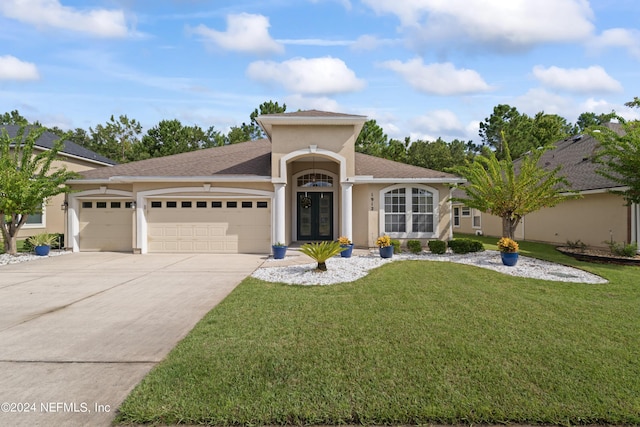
<point>378,167</point>
<point>48,139</point>
<point>313,113</point>
<point>246,161</point>
<point>575,157</point>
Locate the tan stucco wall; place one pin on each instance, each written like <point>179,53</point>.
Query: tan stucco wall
<point>593,219</point>
<point>369,230</point>
<point>54,216</point>
<point>339,139</point>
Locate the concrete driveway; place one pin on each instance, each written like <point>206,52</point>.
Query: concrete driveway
<point>79,331</point>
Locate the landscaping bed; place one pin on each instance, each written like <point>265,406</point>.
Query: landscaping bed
<point>599,256</point>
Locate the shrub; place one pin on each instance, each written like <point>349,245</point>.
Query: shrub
<point>578,244</point>
<point>396,246</point>
<point>383,241</point>
<point>622,249</point>
<point>414,246</point>
<point>321,252</point>
<point>508,245</point>
<point>43,239</point>
<point>463,246</point>
<point>437,246</point>
<point>344,240</point>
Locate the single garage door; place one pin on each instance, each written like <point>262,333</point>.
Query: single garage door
<point>209,226</point>
<point>106,225</point>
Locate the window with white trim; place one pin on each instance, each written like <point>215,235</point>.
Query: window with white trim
<point>409,211</point>
<point>476,219</point>
<point>466,211</point>
<point>456,216</point>
<point>35,220</point>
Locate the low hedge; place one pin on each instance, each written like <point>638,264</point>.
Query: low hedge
<point>437,246</point>
<point>464,246</point>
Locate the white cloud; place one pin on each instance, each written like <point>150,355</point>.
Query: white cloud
<point>578,80</point>
<point>537,99</point>
<point>617,37</point>
<point>50,13</point>
<point>369,43</point>
<point>438,122</point>
<point>11,68</point>
<point>316,76</point>
<point>345,3</point>
<point>245,32</point>
<point>438,78</point>
<point>298,102</point>
<point>500,24</point>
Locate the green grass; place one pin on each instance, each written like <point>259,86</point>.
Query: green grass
<point>414,342</point>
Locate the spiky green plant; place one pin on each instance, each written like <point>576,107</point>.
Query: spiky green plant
<point>321,252</point>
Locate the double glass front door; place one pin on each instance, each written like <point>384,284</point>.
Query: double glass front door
<point>315,215</point>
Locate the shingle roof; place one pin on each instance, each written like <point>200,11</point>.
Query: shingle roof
<point>251,158</point>
<point>247,159</point>
<point>382,168</point>
<point>575,156</point>
<point>47,140</point>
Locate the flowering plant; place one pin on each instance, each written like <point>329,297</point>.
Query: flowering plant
<point>383,241</point>
<point>508,245</point>
<point>344,240</point>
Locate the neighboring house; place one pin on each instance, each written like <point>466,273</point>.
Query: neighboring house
<point>74,158</point>
<point>305,182</point>
<point>598,217</point>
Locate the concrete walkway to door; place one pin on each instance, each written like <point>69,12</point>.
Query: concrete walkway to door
<point>79,331</point>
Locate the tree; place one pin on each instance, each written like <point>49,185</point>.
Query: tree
<point>508,190</point>
<point>172,137</point>
<point>13,118</point>
<point>371,139</point>
<point>587,120</point>
<point>118,139</point>
<point>269,107</point>
<point>526,132</point>
<point>619,155</point>
<point>27,180</point>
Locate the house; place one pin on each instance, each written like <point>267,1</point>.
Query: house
<point>597,217</point>
<point>72,156</point>
<point>303,182</point>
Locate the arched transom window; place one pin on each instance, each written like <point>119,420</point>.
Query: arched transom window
<point>409,211</point>
<point>315,180</point>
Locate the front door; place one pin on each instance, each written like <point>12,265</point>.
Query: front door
<point>315,215</point>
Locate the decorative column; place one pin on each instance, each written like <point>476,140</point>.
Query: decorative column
<point>279,212</point>
<point>346,218</point>
<point>141,224</point>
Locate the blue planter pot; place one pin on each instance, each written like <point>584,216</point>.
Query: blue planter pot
<point>42,250</point>
<point>279,252</point>
<point>346,253</point>
<point>386,252</point>
<point>509,258</point>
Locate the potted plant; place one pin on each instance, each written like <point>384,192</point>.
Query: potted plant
<point>508,251</point>
<point>279,250</point>
<point>346,245</point>
<point>386,249</point>
<point>42,243</point>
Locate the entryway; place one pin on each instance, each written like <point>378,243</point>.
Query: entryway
<point>315,215</point>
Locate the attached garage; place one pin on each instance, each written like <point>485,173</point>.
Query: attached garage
<point>209,226</point>
<point>106,225</point>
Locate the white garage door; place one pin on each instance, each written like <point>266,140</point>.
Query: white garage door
<point>209,226</point>
<point>106,225</point>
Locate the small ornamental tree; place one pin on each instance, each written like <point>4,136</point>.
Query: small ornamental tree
<point>27,180</point>
<point>619,156</point>
<point>500,187</point>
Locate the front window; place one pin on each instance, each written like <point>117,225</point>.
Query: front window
<point>315,180</point>
<point>409,212</point>
<point>36,219</point>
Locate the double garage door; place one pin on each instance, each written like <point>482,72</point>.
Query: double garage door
<point>179,225</point>
<point>209,226</point>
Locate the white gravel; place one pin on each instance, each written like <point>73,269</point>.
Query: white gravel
<point>340,270</point>
<point>23,257</point>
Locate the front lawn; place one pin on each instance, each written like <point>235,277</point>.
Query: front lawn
<point>414,342</point>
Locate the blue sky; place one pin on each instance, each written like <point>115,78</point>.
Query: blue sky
<point>421,68</point>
